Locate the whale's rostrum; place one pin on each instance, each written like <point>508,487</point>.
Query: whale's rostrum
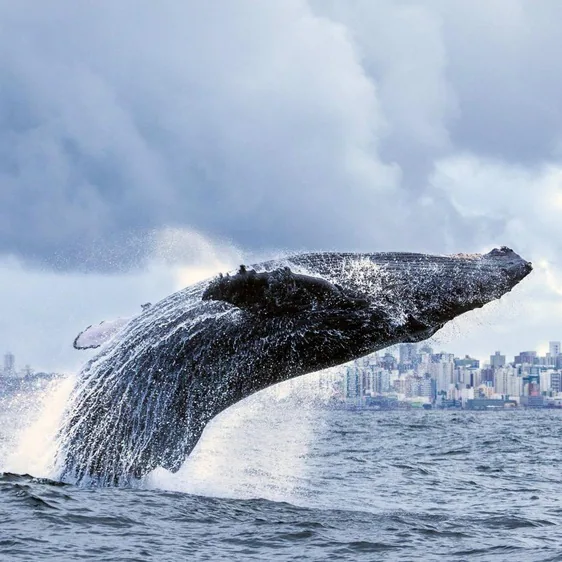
<point>143,401</point>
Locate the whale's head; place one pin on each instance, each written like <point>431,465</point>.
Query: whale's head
<point>416,294</point>
<point>338,306</point>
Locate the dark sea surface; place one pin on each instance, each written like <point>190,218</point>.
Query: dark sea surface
<point>278,479</point>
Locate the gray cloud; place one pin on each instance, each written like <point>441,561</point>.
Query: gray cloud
<point>278,125</point>
<point>271,125</point>
<point>252,122</point>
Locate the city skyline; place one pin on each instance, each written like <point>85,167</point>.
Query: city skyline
<point>403,355</point>
<point>415,373</point>
<point>9,367</point>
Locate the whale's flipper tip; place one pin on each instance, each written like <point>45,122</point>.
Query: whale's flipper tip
<point>93,337</point>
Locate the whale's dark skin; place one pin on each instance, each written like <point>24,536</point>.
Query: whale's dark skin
<point>145,399</point>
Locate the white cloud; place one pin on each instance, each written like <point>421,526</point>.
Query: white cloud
<point>244,121</point>
<point>524,202</point>
<point>43,311</point>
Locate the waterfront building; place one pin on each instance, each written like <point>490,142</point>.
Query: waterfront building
<point>555,382</point>
<point>531,385</point>
<point>467,376</point>
<point>379,381</point>
<point>9,365</point>
<point>466,394</point>
<point>486,390</point>
<point>441,377</point>
<point>544,380</point>
<point>526,358</point>
<point>407,354</point>
<point>441,370</point>
<point>490,404</point>
<point>353,386</point>
<point>507,382</point>
<point>497,360</point>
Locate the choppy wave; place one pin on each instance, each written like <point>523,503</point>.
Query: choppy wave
<point>275,480</point>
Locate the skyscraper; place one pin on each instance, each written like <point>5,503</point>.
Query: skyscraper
<point>407,353</point>
<point>353,385</point>
<point>526,358</point>
<point>554,348</point>
<point>9,365</point>
<point>497,360</point>
<point>468,362</point>
<point>556,382</point>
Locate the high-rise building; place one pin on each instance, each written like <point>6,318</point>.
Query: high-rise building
<point>428,387</point>
<point>9,365</point>
<point>379,381</point>
<point>389,361</point>
<point>554,348</point>
<point>407,353</point>
<point>506,381</point>
<point>487,377</point>
<point>353,385</point>
<point>545,380</point>
<point>467,376</point>
<point>556,382</point>
<point>549,360</point>
<point>441,369</point>
<point>526,358</point>
<point>497,360</point>
<point>531,385</point>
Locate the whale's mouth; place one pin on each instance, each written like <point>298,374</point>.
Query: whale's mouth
<point>515,267</point>
<point>419,292</point>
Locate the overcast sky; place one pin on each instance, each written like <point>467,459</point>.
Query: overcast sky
<point>145,145</point>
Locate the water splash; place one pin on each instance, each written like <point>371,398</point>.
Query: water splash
<point>255,449</point>
<point>32,420</point>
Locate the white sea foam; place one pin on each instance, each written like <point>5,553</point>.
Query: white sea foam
<point>33,419</point>
<point>255,449</point>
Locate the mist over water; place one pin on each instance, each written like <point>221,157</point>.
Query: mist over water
<point>276,478</point>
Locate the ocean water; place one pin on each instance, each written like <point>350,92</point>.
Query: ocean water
<point>280,479</point>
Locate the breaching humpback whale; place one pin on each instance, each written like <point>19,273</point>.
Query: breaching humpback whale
<point>145,398</point>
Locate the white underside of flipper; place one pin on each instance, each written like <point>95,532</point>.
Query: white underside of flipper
<point>95,336</point>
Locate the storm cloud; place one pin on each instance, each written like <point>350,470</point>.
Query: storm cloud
<point>267,124</point>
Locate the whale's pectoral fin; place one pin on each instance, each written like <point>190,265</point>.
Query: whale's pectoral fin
<point>95,336</point>
<point>279,292</point>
